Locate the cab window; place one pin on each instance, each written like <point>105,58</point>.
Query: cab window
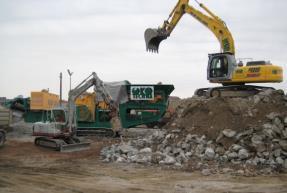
<point>219,67</point>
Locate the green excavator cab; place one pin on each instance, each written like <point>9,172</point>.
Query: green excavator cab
<point>153,37</point>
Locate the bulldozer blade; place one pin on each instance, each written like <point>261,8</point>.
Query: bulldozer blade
<point>74,147</point>
<point>153,37</point>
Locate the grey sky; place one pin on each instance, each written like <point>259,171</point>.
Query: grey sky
<point>41,38</point>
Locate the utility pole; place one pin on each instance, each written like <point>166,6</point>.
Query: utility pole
<point>61,76</point>
<point>70,74</point>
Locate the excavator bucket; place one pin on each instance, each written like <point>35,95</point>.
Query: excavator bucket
<point>74,147</point>
<point>153,37</point>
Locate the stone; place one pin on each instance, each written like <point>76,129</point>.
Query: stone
<point>285,164</point>
<point>157,157</point>
<point>140,143</point>
<point>243,154</point>
<point>125,149</point>
<point>209,153</point>
<point>181,158</point>
<point>277,152</point>
<point>272,116</point>
<point>227,170</point>
<point>167,150</point>
<point>267,126</point>
<point>223,158</point>
<point>143,159</point>
<point>176,151</point>
<point>232,155</point>
<point>266,99</point>
<point>201,140</point>
<point>279,161</point>
<point>277,121</point>
<point>176,131</point>
<point>276,130</point>
<point>266,154</point>
<point>269,133</point>
<point>284,133</point>
<point>159,135</point>
<point>284,153</point>
<point>235,162</point>
<point>256,99</point>
<point>229,133</point>
<point>169,136</point>
<point>236,147</point>
<point>168,160</point>
<point>146,150</point>
<point>199,150</point>
<point>255,161</point>
<point>283,144</point>
<point>188,154</point>
<point>260,148</point>
<point>244,133</point>
<point>173,124</point>
<point>220,150</point>
<point>285,121</point>
<point>240,172</point>
<point>120,160</point>
<point>262,161</point>
<point>206,172</point>
<point>185,146</point>
<point>188,138</point>
<point>178,164</point>
<point>256,140</point>
<point>219,137</point>
<point>266,92</point>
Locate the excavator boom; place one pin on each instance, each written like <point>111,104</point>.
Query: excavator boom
<point>153,37</point>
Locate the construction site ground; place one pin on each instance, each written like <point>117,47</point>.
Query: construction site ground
<point>26,168</point>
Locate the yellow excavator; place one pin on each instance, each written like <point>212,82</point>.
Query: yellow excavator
<point>222,67</point>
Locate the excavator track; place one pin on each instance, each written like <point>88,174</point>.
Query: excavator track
<point>231,91</point>
<point>67,145</point>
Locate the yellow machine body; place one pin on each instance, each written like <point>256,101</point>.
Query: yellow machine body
<point>43,100</point>
<point>254,74</point>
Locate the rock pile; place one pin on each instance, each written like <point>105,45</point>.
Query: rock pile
<point>261,146</point>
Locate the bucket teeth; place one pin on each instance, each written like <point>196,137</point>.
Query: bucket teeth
<point>153,37</point>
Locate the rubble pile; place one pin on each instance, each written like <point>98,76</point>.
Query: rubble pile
<point>241,135</point>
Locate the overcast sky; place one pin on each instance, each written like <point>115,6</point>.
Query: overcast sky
<point>41,38</point>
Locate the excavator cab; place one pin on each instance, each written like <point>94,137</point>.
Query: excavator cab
<point>153,37</point>
<point>220,67</point>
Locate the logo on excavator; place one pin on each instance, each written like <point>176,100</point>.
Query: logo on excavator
<point>142,93</point>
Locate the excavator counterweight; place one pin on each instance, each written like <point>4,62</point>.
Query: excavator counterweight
<point>153,37</point>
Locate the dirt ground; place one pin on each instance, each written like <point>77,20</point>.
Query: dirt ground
<point>25,168</point>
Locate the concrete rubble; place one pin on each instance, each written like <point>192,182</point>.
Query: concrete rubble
<point>259,148</point>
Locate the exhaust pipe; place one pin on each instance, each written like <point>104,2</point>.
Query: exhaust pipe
<point>153,37</point>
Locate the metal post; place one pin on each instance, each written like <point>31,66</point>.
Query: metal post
<point>61,76</point>
<point>70,74</point>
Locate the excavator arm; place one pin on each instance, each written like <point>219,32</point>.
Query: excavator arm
<point>153,37</point>
<point>99,88</point>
